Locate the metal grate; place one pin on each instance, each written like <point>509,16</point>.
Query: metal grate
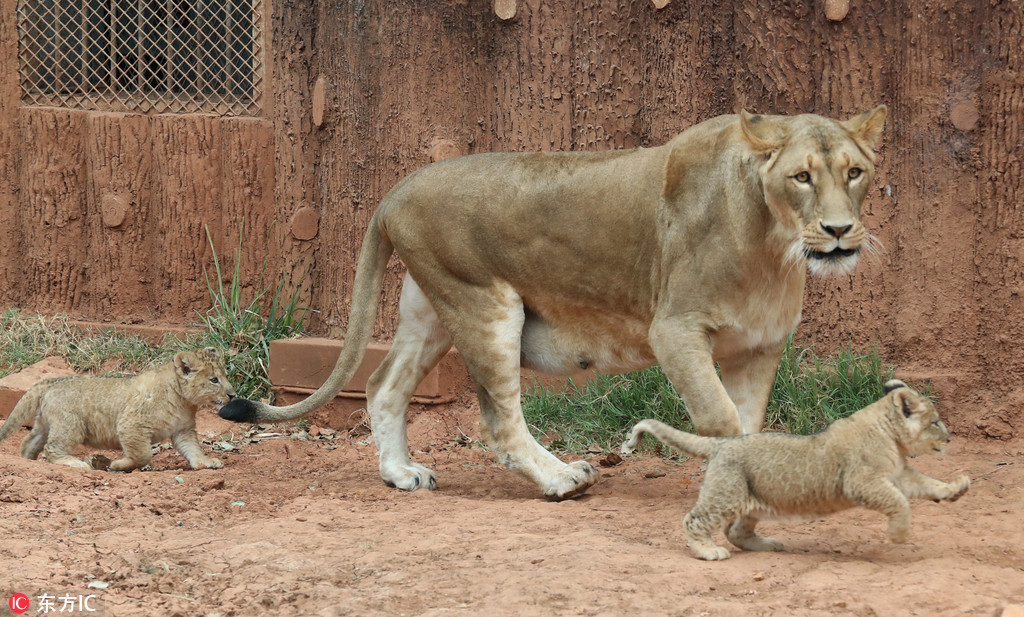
<point>145,56</point>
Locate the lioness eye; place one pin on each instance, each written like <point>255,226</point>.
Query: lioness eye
<point>214,380</point>
<point>803,177</point>
<point>854,173</point>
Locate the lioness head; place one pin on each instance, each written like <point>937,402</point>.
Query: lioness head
<point>202,377</point>
<point>815,175</point>
<point>922,430</point>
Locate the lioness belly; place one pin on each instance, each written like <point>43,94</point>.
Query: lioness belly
<point>606,344</point>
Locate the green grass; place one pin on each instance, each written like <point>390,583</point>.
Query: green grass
<point>241,326</point>
<point>245,327</point>
<point>809,394</point>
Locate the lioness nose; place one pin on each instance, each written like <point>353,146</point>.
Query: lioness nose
<point>836,231</point>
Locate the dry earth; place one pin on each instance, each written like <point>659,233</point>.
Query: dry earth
<point>305,527</point>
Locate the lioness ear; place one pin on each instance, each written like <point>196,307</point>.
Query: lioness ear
<point>866,128</point>
<point>760,132</point>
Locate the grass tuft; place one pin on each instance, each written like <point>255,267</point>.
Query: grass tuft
<point>809,393</point>
<point>242,327</point>
<point>25,340</point>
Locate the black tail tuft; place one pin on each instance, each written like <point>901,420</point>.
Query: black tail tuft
<point>239,410</point>
<point>893,384</point>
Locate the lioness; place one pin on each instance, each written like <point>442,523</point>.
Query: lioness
<point>130,413</point>
<point>686,254</point>
<point>857,461</point>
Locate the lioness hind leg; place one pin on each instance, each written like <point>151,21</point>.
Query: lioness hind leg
<point>741,533</point>
<point>420,343</point>
<point>487,328</point>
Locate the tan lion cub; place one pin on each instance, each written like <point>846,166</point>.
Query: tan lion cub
<point>857,461</point>
<point>130,413</point>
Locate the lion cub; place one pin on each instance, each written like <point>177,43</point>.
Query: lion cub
<point>130,413</point>
<point>857,461</point>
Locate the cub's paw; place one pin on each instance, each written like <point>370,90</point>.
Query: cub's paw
<point>207,463</point>
<point>123,464</point>
<point>408,477</point>
<point>710,553</point>
<point>898,535</point>
<point>958,487</point>
<point>572,480</point>
<point>757,542</point>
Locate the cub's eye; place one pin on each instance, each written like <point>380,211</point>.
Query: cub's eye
<point>803,177</point>
<point>935,424</point>
<point>214,380</point>
<point>854,173</point>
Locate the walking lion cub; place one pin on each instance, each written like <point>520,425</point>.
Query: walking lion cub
<point>857,461</point>
<point>130,413</point>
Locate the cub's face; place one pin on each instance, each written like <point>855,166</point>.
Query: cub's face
<point>202,377</point>
<point>924,431</point>
<point>815,177</point>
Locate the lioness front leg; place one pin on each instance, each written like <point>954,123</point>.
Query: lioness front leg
<point>916,485</point>
<point>748,379</point>
<point>187,444</point>
<point>683,348</point>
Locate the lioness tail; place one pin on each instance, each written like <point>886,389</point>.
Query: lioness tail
<point>687,443</point>
<point>373,260</point>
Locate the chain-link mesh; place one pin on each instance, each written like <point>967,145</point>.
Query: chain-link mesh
<point>145,56</point>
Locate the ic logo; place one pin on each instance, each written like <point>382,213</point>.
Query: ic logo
<point>18,603</point>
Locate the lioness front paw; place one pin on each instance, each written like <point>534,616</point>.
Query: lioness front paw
<point>572,480</point>
<point>207,463</point>
<point>408,477</point>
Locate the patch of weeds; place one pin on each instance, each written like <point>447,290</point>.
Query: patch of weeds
<point>809,393</point>
<point>598,413</point>
<point>246,326</point>
<point>25,340</point>
<point>241,326</point>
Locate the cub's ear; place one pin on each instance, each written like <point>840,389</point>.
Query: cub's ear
<point>187,363</point>
<point>866,128</point>
<point>764,134</point>
<point>905,400</point>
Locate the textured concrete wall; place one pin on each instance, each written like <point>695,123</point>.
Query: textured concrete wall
<point>364,92</point>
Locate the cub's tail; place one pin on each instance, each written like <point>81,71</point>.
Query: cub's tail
<point>25,410</point>
<point>687,443</point>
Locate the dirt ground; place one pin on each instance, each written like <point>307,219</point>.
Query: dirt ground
<point>296,526</point>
